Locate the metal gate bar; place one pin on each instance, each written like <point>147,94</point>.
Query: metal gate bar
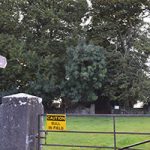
<point>67,145</point>
<point>81,146</point>
<point>93,132</point>
<point>133,145</point>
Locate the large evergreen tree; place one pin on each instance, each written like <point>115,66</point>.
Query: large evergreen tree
<point>85,72</point>
<point>34,36</point>
<point>116,25</point>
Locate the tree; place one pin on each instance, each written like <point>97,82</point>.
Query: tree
<point>116,25</point>
<point>85,71</point>
<point>34,36</point>
<point>145,88</point>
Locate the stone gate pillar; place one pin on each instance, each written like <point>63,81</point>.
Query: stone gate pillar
<point>19,122</point>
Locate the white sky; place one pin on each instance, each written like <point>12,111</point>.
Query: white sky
<point>89,3</point>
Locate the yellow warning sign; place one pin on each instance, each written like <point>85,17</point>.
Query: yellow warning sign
<point>56,122</point>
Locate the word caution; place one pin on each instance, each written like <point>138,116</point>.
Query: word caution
<point>56,122</point>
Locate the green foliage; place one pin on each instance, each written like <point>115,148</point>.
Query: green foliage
<point>85,71</point>
<point>117,26</point>
<point>144,90</point>
<point>124,78</point>
<point>34,36</point>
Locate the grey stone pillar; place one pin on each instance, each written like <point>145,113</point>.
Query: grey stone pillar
<point>19,122</point>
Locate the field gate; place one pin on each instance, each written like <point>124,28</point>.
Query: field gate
<point>42,139</point>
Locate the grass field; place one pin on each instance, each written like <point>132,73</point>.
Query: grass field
<point>131,124</point>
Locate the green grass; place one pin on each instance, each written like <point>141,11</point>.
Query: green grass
<point>100,124</point>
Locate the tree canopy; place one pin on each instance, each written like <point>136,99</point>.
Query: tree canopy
<point>34,36</point>
<point>85,71</point>
<point>118,26</point>
<point>41,40</point>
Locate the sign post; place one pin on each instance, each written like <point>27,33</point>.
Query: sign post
<point>56,122</point>
<point>3,62</point>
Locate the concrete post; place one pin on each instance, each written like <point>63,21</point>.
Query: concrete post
<point>19,122</point>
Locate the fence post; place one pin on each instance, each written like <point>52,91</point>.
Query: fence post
<point>18,122</point>
<point>114,128</point>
